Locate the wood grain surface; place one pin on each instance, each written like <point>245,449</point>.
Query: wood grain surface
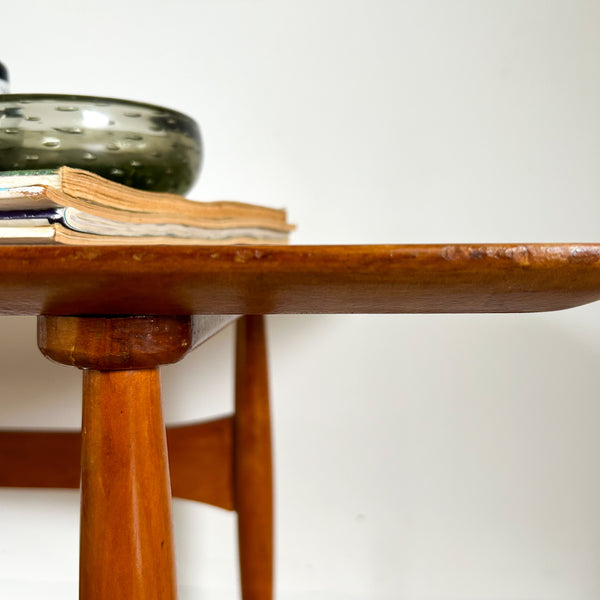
<point>178,280</point>
<point>200,460</point>
<point>253,481</point>
<point>126,538</point>
<point>133,342</point>
<point>140,342</point>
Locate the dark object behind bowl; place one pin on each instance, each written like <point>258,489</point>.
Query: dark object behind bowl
<point>4,79</point>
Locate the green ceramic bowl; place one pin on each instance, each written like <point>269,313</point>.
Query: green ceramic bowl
<point>140,145</point>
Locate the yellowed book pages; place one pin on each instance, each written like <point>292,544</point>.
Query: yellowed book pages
<point>92,194</point>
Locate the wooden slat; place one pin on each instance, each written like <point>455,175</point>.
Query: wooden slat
<point>40,459</point>
<point>200,460</point>
<point>63,280</point>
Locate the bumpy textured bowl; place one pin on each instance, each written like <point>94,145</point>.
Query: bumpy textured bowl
<point>140,145</point>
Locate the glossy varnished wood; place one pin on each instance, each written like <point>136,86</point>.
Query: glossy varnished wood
<point>200,456</point>
<point>253,487</point>
<point>126,535</point>
<point>200,460</point>
<point>126,550</point>
<point>115,343</point>
<point>209,280</point>
<point>126,525</point>
<point>40,459</point>
<point>134,342</point>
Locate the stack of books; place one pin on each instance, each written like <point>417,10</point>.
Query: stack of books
<point>72,206</point>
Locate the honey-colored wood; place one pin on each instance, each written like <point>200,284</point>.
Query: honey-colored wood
<point>40,459</point>
<point>135,342</point>
<point>200,460</point>
<point>126,531</point>
<point>123,446</point>
<point>217,280</point>
<point>253,488</point>
<point>115,343</point>
<point>126,548</point>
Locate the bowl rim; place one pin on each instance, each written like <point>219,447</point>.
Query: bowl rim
<point>83,98</point>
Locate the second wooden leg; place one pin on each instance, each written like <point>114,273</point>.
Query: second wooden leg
<point>253,489</point>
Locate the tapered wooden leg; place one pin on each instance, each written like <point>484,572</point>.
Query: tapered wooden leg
<point>253,488</point>
<point>126,537</point>
<point>126,531</point>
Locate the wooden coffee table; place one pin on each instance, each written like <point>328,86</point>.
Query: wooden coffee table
<point>119,312</point>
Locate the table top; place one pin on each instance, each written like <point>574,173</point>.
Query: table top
<point>225,280</point>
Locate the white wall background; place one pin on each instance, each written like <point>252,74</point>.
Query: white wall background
<point>418,457</point>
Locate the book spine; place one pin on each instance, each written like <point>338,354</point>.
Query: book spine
<point>52,215</point>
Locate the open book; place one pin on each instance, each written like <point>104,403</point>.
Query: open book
<point>72,206</point>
